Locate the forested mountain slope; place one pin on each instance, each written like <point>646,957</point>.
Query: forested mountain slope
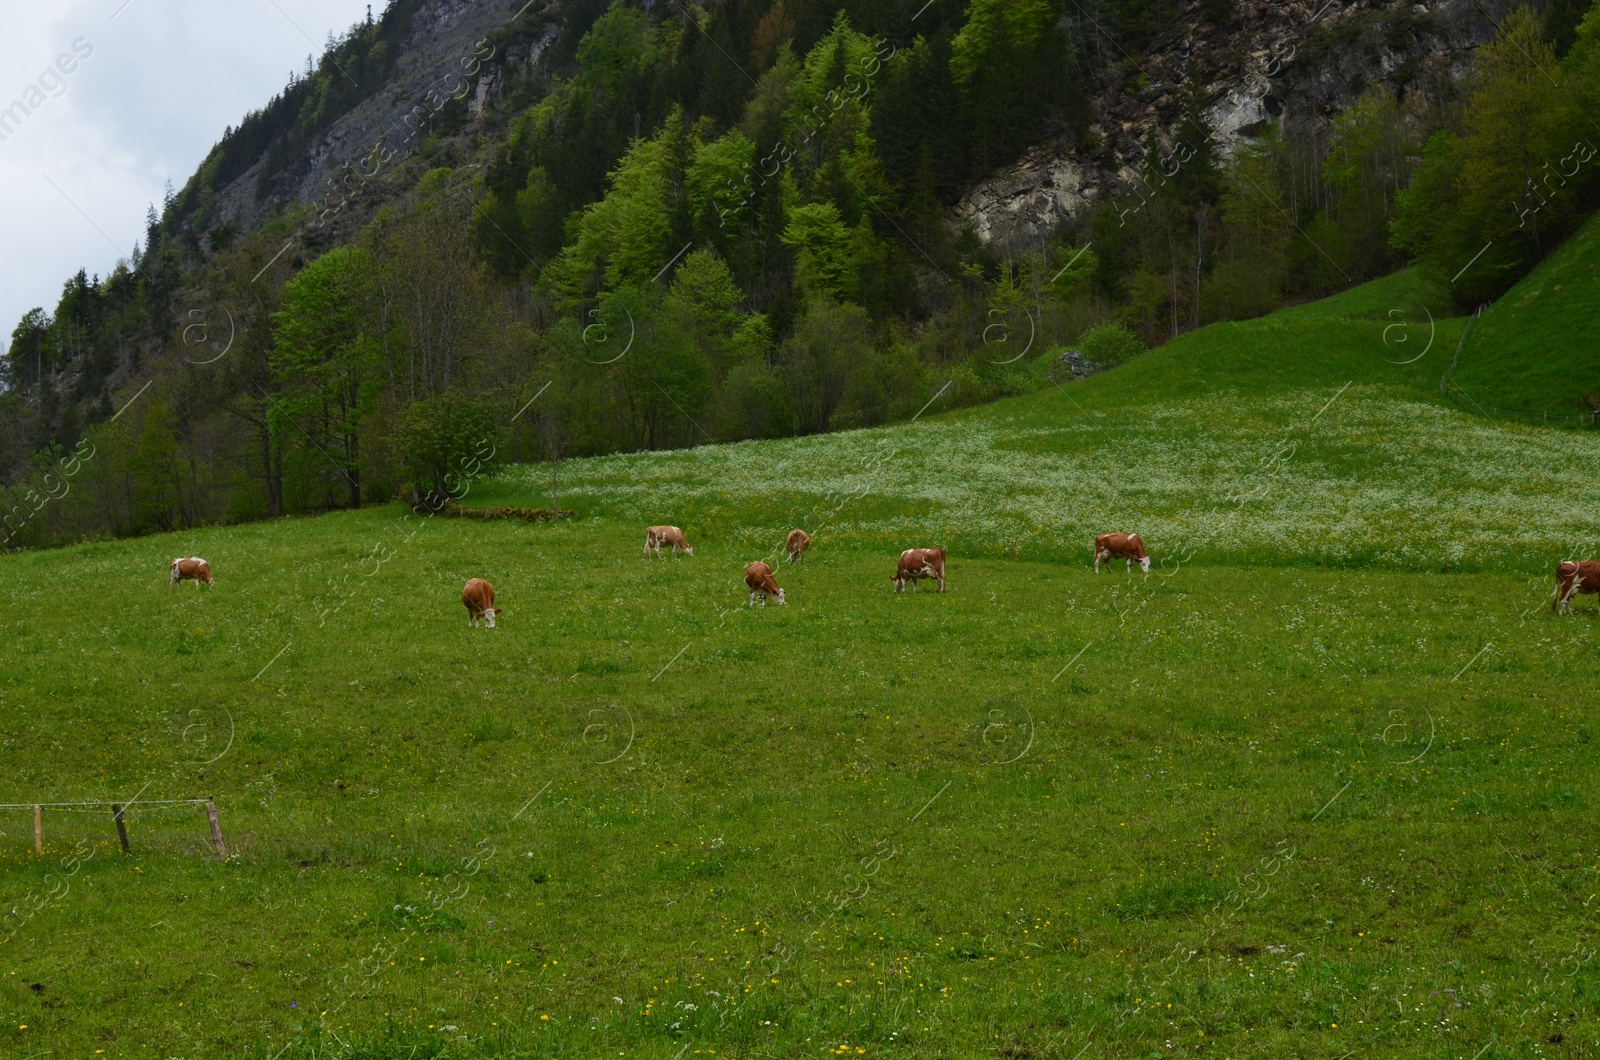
<point>484,231</point>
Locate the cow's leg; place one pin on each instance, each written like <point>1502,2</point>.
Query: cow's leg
<point>941,583</point>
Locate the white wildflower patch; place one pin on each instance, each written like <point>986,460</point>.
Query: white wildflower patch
<point>1377,477</point>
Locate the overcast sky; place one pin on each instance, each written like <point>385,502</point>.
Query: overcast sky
<point>164,79</point>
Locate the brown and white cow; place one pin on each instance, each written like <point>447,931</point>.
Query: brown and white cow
<point>192,567</point>
<point>758,576</point>
<point>656,536</point>
<point>798,542</point>
<point>1127,546</point>
<point>478,596</point>
<point>916,564</point>
<point>1572,578</point>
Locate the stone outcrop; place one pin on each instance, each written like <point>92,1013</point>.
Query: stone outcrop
<point>1292,63</point>
<point>1031,198</point>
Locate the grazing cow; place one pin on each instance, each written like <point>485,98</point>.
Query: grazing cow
<point>657,536</point>
<point>1573,578</point>
<point>1128,546</point>
<point>758,576</point>
<point>798,542</point>
<point>193,567</point>
<point>916,564</point>
<point>478,596</point>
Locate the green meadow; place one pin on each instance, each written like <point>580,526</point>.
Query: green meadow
<point>1297,792</point>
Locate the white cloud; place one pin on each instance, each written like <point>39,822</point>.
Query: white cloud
<point>164,80</point>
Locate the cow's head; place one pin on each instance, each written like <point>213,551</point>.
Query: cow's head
<point>488,617</point>
<point>779,597</point>
<point>1144,564</point>
<point>688,550</point>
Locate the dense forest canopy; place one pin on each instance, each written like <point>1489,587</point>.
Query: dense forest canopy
<point>690,224</point>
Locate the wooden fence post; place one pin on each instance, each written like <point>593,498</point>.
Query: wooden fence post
<point>38,829</point>
<point>216,828</point>
<point>122,829</point>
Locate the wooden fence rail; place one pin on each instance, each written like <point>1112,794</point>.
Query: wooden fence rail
<point>119,813</point>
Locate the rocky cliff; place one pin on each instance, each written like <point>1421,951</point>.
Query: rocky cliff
<point>1295,62</point>
<point>454,54</point>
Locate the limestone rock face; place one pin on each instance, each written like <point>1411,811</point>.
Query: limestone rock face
<point>1294,63</point>
<point>1029,200</point>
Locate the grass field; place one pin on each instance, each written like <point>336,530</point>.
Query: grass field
<point>1240,806</point>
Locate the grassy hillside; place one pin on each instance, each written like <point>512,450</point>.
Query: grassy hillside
<point>1300,438</point>
<point>1536,349</point>
<point>1221,810</point>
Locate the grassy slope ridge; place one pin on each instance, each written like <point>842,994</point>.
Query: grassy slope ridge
<point>965,825</point>
<point>1538,347</point>
<point>1220,446</point>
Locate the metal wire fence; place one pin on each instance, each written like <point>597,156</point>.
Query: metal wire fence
<point>1586,418</point>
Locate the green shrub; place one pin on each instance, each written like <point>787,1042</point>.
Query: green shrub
<point>1109,344</point>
